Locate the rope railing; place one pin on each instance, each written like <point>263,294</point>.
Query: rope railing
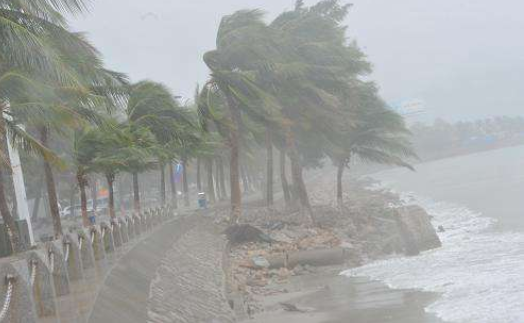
<point>10,281</point>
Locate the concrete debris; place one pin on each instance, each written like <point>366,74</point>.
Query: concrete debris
<point>371,225</point>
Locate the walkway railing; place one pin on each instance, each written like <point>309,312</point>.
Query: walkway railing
<point>10,281</point>
<point>36,279</point>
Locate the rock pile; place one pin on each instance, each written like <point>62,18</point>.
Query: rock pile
<point>372,224</point>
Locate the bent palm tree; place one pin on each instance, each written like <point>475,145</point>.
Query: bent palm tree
<point>242,40</point>
<point>26,28</point>
<point>379,135</point>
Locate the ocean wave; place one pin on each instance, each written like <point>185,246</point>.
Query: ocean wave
<point>479,271</point>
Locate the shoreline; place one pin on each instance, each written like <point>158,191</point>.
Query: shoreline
<point>309,294</point>
<point>327,296</point>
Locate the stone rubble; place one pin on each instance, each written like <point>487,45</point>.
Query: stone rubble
<point>371,224</point>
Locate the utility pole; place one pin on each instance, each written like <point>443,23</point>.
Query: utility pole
<point>19,188</point>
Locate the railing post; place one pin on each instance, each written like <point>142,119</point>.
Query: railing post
<point>16,298</point>
<point>57,266</point>
<point>96,241</point>
<point>72,258</point>
<point>117,233</point>
<point>137,227</point>
<point>124,232</point>
<point>41,283</point>
<point>107,238</point>
<point>130,227</point>
<point>86,250</point>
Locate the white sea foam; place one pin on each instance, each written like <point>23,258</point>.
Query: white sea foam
<point>478,271</point>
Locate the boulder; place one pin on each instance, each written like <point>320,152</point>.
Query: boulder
<point>416,230</point>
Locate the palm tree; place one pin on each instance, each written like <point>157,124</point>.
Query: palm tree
<point>269,167</point>
<point>100,149</point>
<point>83,155</point>
<point>307,78</point>
<point>242,40</point>
<point>378,135</point>
<point>138,152</point>
<point>30,32</point>
<point>153,106</point>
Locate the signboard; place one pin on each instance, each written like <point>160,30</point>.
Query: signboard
<point>410,107</point>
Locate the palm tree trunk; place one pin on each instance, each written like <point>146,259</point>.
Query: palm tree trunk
<point>36,206</point>
<point>221,178</point>
<point>199,175</point>
<point>163,183</point>
<point>174,197</point>
<point>51,188</point>
<point>38,198</point>
<point>210,182</point>
<point>296,171</point>
<point>94,194</point>
<point>340,173</point>
<point>136,193</point>
<point>234,180</point>
<point>217,182</point>
<point>283,177</point>
<point>111,188</point>
<point>12,232</point>
<point>269,175</point>
<point>185,181</point>
<point>82,183</point>
<point>245,181</point>
<point>121,198</point>
<point>72,198</point>
<point>253,182</point>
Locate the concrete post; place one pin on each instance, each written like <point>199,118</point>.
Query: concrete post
<point>147,217</point>
<point>107,240</point>
<point>86,250</point>
<point>156,217</point>
<point>14,289</point>
<point>117,233</point>
<point>56,264</point>
<point>137,225</point>
<point>143,223</point>
<point>124,232</point>
<point>96,241</point>
<point>130,227</point>
<point>41,283</point>
<point>72,258</point>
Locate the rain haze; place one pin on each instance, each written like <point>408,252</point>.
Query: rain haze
<point>462,59</point>
<point>261,161</point>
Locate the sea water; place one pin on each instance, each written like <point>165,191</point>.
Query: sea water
<point>479,271</point>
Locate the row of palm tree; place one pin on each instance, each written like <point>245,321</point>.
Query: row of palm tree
<point>50,79</point>
<point>55,89</point>
<point>299,80</point>
<point>294,85</point>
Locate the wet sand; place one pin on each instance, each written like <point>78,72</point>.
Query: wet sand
<point>330,298</point>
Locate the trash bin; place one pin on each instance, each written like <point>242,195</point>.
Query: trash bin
<point>92,218</point>
<point>202,201</point>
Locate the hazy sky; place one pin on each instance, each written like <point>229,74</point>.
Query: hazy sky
<point>463,58</point>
